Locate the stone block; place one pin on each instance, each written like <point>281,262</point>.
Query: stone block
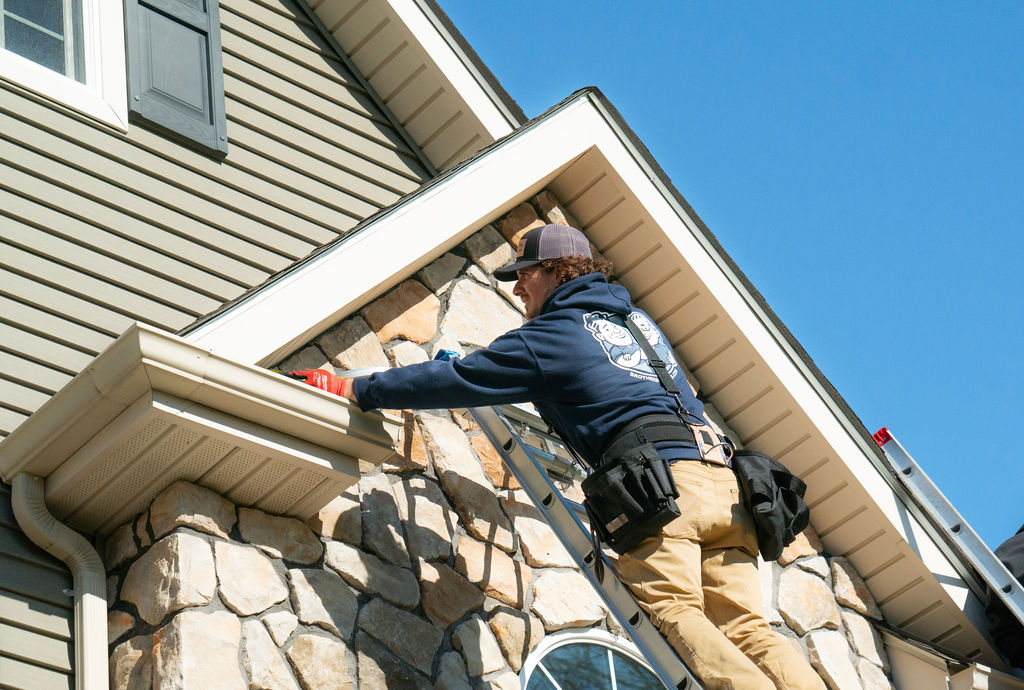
<point>352,345</point>
<point>367,573</point>
<point>429,521</point>
<point>409,312</point>
<point>479,648</point>
<point>142,530</point>
<point>502,680</point>
<point>405,353</point>
<point>872,677</point>
<point>452,673</point>
<point>321,598</point>
<point>339,519</point>
<point>410,451</point>
<point>183,504</point>
<point>118,623</point>
<point>120,546</point>
<point>382,525</point>
<point>489,250</point>
<point>379,668</point>
<point>131,664</point>
<point>850,589</point>
<point>517,633</point>
<point>465,483</point>
<point>541,548</point>
<point>865,640</point>
<point>447,596</point>
<point>476,315</point>
<point>321,663</point>
<point>805,544</point>
<point>281,537</point>
<point>262,660</point>
<point>249,583</point>
<point>518,221</point>
<point>806,602</point>
<point>830,657</point>
<point>493,466</point>
<point>408,636</point>
<point>766,575</point>
<point>506,289</point>
<point>552,211</point>
<point>175,573</point>
<point>478,275</point>
<point>815,564</point>
<point>439,274</point>
<point>565,599</point>
<point>493,571</point>
<point>198,650</point>
<point>280,625</point>
<point>309,357</point>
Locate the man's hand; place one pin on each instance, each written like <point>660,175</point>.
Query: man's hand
<point>318,378</point>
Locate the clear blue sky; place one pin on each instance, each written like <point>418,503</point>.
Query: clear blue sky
<point>864,165</point>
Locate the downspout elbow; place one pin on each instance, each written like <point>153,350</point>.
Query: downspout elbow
<point>89,577</point>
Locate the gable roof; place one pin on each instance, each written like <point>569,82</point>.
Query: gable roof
<point>749,365</point>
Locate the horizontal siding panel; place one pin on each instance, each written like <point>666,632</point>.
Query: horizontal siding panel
<point>104,247</point>
<point>353,175</point>
<point>110,296</point>
<point>79,309</point>
<point>14,544</point>
<point>117,272</point>
<point>59,329</point>
<point>25,370</point>
<point>286,23</point>
<point>42,349</point>
<point>9,420</point>
<point>34,581</point>
<point>21,398</point>
<point>92,184</point>
<point>24,676</point>
<point>102,177</point>
<point>325,105</point>
<point>35,616</point>
<point>46,651</point>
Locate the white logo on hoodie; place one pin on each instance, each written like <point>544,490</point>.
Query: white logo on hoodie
<point>622,349</point>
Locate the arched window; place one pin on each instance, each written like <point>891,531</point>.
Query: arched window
<point>586,660</point>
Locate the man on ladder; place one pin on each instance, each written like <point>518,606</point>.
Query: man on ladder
<point>579,361</point>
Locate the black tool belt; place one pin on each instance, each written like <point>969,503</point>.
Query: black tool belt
<point>631,495</point>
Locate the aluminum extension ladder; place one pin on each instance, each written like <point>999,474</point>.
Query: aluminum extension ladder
<point>956,533</point>
<point>528,465</point>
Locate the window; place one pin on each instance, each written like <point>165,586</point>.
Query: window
<point>71,51</point>
<point>587,660</point>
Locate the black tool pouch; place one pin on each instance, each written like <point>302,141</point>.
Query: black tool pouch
<point>775,498</point>
<point>630,498</point>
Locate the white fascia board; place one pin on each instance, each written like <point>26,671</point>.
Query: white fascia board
<point>292,310</point>
<point>296,307</point>
<point>469,84</point>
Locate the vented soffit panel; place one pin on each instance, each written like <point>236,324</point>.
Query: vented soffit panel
<point>153,408</point>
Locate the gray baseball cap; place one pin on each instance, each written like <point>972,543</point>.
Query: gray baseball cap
<point>545,242</point>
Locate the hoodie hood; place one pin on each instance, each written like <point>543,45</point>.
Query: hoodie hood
<point>589,292</point>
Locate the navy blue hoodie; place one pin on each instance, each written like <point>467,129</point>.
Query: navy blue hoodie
<point>576,361</point>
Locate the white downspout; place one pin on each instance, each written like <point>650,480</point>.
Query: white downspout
<point>61,541</point>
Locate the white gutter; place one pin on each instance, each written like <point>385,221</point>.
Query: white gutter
<point>87,570</point>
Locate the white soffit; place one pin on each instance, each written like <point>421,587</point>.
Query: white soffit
<point>746,365</point>
<point>415,61</point>
<point>153,408</point>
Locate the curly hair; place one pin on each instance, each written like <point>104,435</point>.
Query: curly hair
<point>567,268</point>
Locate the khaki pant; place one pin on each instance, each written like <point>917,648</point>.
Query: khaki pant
<point>698,582</point>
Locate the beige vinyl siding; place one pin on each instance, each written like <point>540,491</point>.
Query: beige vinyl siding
<point>99,229</point>
<point>35,615</point>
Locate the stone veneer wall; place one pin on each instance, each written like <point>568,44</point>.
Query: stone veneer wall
<point>435,571</point>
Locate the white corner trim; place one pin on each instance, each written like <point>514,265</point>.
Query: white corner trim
<point>463,77</point>
<point>104,96</point>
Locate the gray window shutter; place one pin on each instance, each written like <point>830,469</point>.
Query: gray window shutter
<point>174,66</point>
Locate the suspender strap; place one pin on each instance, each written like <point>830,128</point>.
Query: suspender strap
<point>667,382</point>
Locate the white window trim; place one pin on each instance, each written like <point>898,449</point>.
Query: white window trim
<point>104,95</point>
<point>594,636</point>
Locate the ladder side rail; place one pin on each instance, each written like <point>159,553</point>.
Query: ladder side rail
<point>559,512</point>
<point>958,534</point>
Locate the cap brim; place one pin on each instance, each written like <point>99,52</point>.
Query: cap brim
<point>507,273</point>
